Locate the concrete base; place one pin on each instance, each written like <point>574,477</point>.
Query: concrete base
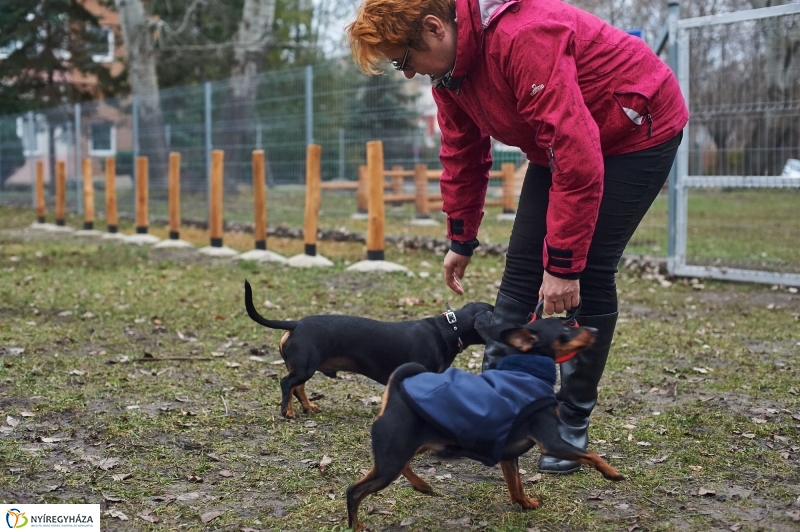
<point>424,222</point>
<point>222,251</point>
<point>359,216</point>
<point>376,266</point>
<point>506,217</point>
<point>309,261</point>
<point>173,243</point>
<point>53,228</point>
<point>88,232</point>
<point>141,239</point>
<point>261,255</point>
<point>114,236</point>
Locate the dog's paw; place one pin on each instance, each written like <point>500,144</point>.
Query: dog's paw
<point>530,504</point>
<point>311,407</point>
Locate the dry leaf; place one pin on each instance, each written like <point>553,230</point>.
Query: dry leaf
<point>794,515</point>
<point>735,528</point>
<point>535,478</point>
<point>324,463</point>
<point>705,491</point>
<point>194,478</point>
<point>695,467</point>
<point>225,473</point>
<point>210,516</point>
<point>12,421</point>
<point>148,515</point>
<point>27,414</point>
<point>121,476</point>
<point>117,513</point>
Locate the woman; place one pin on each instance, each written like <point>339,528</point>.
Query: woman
<point>600,118</point>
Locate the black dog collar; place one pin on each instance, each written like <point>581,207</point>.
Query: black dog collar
<point>451,319</point>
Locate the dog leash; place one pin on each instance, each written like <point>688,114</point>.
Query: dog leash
<point>451,319</point>
<point>570,319</point>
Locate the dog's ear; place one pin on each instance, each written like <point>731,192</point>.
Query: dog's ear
<point>519,337</point>
<point>483,324</point>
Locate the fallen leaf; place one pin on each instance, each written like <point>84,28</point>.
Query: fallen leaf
<point>121,476</point>
<point>225,473</point>
<point>194,478</point>
<point>735,528</point>
<point>695,467</point>
<point>210,516</point>
<point>407,521</point>
<point>148,515</point>
<point>700,370</point>
<point>324,463</point>
<point>794,515</point>
<point>112,498</point>
<point>705,491</point>
<point>27,414</point>
<point>117,514</point>
<point>13,422</point>
<point>332,496</point>
<point>535,478</point>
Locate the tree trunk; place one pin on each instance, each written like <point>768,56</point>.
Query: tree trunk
<point>253,39</point>
<point>144,84</point>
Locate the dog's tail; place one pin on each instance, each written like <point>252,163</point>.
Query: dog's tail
<point>258,318</point>
<point>409,369</point>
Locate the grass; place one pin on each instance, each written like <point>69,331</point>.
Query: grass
<point>700,396</point>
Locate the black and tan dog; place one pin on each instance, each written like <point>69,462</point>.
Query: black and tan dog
<point>331,343</point>
<point>493,417</point>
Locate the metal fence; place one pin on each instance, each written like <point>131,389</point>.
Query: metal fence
<point>735,210</point>
<point>728,212</point>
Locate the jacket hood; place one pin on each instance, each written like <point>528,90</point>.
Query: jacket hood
<point>472,16</point>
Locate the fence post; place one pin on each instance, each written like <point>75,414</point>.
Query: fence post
<point>309,105</point>
<point>421,182</point>
<point>174,192</point>
<point>362,192</point>
<point>215,216</point>
<point>88,195</point>
<point>375,171</point>
<point>78,155</point>
<point>209,146</point>
<point>31,150</point>
<point>135,133</point>
<point>41,206</point>
<point>111,194</point>
<point>142,178</point>
<point>61,191</point>
<point>672,179</point>
<point>259,200</point>
<point>313,157</point>
<point>508,188</point>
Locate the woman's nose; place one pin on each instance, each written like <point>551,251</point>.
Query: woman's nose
<point>410,73</point>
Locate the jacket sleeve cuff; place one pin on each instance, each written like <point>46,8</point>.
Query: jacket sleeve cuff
<point>464,248</point>
<point>570,276</point>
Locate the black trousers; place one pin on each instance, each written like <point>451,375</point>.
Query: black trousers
<point>632,182</point>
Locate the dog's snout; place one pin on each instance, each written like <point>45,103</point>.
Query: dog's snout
<point>591,330</point>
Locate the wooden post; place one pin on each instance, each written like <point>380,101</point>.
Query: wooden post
<point>313,158</point>
<point>421,183</point>
<point>142,178</point>
<point>215,205</point>
<point>375,240</point>
<point>61,192</point>
<point>174,195</point>
<point>259,200</point>
<point>362,194</point>
<point>397,184</point>
<point>508,188</point>
<point>111,194</point>
<point>41,206</point>
<point>88,194</point>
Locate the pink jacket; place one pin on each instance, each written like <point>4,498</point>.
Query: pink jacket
<point>566,88</point>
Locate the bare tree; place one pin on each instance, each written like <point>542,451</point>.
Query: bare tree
<point>252,42</point>
<point>138,39</point>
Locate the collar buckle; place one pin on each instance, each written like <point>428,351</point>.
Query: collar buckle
<point>451,316</point>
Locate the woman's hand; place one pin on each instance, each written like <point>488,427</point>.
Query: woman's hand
<point>454,267</point>
<point>559,294</point>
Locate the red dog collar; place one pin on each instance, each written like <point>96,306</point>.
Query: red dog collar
<point>570,319</point>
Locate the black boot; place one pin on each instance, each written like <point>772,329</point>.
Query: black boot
<point>506,310</point>
<point>578,394</point>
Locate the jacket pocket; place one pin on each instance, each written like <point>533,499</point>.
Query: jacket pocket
<point>636,108</point>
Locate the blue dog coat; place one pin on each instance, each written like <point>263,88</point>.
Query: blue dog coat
<point>480,411</point>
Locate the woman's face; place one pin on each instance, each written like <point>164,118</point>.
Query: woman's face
<point>439,57</point>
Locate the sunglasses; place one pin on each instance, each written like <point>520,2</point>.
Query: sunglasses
<point>401,66</point>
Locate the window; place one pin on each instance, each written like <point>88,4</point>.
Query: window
<point>100,42</point>
<point>103,139</point>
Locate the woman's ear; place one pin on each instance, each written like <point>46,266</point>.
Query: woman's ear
<point>434,26</point>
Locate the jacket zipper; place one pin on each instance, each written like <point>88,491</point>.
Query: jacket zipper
<point>553,162</point>
<point>650,121</point>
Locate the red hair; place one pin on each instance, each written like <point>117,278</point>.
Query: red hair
<point>391,23</point>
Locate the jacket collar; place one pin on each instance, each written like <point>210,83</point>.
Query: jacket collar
<point>472,17</point>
